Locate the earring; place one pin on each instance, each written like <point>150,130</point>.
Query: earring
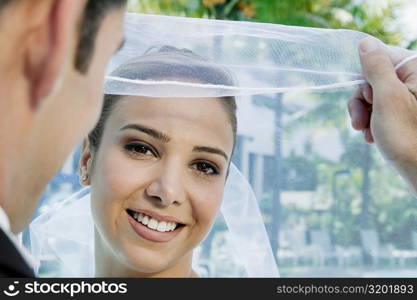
<point>84,177</point>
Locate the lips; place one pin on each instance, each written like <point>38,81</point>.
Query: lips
<point>152,234</point>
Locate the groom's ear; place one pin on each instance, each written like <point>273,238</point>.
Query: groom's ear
<point>86,162</point>
<point>50,44</point>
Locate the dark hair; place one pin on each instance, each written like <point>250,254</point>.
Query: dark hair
<point>168,62</point>
<point>3,3</point>
<point>94,13</point>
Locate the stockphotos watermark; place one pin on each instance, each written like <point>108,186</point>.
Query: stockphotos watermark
<point>71,289</point>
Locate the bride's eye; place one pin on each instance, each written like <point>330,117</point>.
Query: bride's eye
<point>205,168</point>
<point>139,149</point>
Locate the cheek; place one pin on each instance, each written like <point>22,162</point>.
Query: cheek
<point>116,175</point>
<point>114,180</point>
<point>95,86</point>
<point>94,100</point>
<point>206,205</point>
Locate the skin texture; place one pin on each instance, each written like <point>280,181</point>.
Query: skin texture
<point>385,109</point>
<point>47,105</point>
<point>164,176</point>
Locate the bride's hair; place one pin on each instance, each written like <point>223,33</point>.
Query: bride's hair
<point>164,63</point>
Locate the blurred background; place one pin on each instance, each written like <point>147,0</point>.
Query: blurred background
<point>336,208</point>
<point>392,21</point>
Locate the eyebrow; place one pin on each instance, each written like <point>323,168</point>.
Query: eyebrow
<point>210,150</point>
<point>149,131</point>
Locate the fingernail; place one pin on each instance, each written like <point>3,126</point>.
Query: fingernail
<point>369,44</point>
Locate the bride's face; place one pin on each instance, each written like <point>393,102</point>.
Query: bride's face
<point>163,163</point>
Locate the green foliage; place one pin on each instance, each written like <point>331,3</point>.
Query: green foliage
<point>372,17</point>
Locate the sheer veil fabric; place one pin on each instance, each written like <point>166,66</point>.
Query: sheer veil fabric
<point>280,58</point>
<point>263,60</point>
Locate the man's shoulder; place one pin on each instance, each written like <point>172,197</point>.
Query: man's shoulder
<point>12,263</point>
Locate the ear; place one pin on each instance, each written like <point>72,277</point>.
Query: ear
<point>85,163</point>
<point>50,45</point>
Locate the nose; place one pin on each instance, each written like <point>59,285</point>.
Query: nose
<point>166,188</point>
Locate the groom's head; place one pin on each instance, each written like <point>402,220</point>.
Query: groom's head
<point>53,58</point>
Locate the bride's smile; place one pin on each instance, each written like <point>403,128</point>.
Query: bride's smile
<point>153,227</point>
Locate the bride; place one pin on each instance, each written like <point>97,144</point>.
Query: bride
<point>156,168</point>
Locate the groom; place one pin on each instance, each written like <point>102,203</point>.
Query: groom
<point>53,58</point>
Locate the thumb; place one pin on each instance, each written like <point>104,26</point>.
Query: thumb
<point>377,66</point>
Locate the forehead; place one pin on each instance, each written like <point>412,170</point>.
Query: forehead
<point>202,119</point>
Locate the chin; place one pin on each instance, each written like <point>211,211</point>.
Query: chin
<point>149,261</point>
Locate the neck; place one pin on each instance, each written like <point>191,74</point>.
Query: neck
<point>13,98</point>
<point>4,181</point>
<point>13,128</point>
<point>107,265</point>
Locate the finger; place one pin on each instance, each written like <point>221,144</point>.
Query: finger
<point>367,92</point>
<point>407,71</point>
<point>367,133</point>
<point>397,54</point>
<point>359,113</point>
<point>377,66</point>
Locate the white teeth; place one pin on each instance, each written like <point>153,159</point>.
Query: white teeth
<point>173,225</point>
<point>162,226</point>
<point>170,226</point>
<point>145,220</point>
<point>153,224</point>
